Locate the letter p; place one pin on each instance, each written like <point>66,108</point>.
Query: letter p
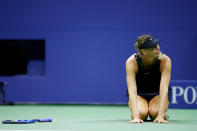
<point>175,93</point>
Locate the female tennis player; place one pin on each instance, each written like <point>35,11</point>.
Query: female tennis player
<point>148,76</point>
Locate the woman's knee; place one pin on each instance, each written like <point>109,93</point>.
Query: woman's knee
<point>143,108</point>
<point>153,112</point>
<point>154,106</point>
<point>143,114</point>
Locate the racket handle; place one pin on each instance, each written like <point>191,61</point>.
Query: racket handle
<point>43,120</point>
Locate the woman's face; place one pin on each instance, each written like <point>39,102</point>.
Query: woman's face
<point>153,52</point>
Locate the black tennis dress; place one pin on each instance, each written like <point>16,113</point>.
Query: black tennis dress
<point>148,80</point>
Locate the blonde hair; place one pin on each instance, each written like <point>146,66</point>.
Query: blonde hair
<point>140,41</point>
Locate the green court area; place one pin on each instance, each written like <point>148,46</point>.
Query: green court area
<point>92,118</point>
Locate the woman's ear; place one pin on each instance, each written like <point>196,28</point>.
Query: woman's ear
<point>143,52</point>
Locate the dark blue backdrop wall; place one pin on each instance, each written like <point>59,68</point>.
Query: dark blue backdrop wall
<point>89,41</point>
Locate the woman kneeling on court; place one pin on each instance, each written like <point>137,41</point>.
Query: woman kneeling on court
<point>148,77</point>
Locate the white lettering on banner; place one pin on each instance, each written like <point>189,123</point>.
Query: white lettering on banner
<point>193,94</point>
<point>179,91</point>
<point>174,93</point>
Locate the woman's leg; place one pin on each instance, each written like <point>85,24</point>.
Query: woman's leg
<point>142,107</point>
<point>154,105</point>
